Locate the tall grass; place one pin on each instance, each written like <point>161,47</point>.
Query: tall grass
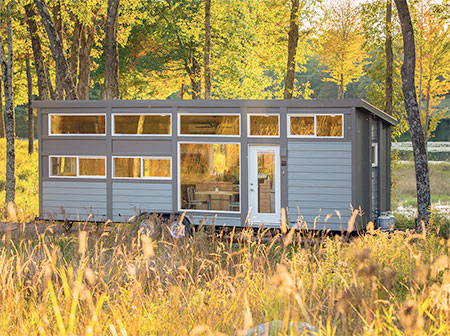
<point>27,181</point>
<point>117,282</point>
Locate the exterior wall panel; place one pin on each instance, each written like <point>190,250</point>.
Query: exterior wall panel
<point>74,200</point>
<point>129,199</point>
<point>218,221</point>
<point>320,182</point>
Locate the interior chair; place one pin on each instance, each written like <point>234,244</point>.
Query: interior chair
<point>191,199</point>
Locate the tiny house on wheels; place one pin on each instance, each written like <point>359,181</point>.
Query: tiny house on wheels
<point>234,162</point>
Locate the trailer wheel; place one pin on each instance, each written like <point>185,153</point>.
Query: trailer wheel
<point>179,230</point>
<point>158,225</point>
<point>147,226</point>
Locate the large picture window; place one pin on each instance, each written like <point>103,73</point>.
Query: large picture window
<point>141,124</point>
<point>209,176</point>
<point>159,168</point>
<point>205,124</point>
<point>74,124</point>
<point>77,166</point>
<point>319,125</point>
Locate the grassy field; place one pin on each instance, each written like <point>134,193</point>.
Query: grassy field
<point>404,191</point>
<point>112,281</point>
<point>27,179</point>
<point>118,283</point>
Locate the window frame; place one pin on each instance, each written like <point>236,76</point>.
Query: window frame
<point>113,124</point>
<point>264,115</point>
<point>78,157</point>
<point>156,158</point>
<point>208,114</point>
<point>50,133</point>
<point>375,146</point>
<point>315,136</point>
<point>179,208</point>
<point>141,158</point>
<point>298,135</point>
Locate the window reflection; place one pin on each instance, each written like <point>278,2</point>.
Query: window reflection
<point>264,125</point>
<point>209,176</point>
<point>302,125</point>
<point>127,167</point>
<point>266,175</point>
<point>157,168</point>
<point>63,166</point>
<point>74,124</point>
<point>209,124</point>
<point>328,125</point>
<point>141,124</point>
<point>92,167</point>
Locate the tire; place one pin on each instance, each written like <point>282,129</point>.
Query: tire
<point>158,226</point>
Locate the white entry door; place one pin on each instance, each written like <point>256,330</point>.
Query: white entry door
<point>264,184</point>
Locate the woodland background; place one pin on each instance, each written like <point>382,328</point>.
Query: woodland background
<point>163,52</point>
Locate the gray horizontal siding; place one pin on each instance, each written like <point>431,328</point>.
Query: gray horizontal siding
<point>320,182</point>
<point>129,199</point>
<point>218,221</point>
<point>77,200</point>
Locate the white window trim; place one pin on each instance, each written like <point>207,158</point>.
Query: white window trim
<point>266,115</point>
<point>156,158</point>
<point>207,135</point>
<point>375,145</point>
<point>315,136</point>
<point>78,115</point>
<point>179,179</point>
<point>78,157</point>
<point>113,124</point>
<point>141,177</point>
<point>298,135</point>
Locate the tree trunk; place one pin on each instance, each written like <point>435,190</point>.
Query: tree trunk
<point>292,50</point>
<point>49,83</point>
<point>75,49</point>
<point>2,115</point>
<point>207,49</point>
<point>341,87</point>
<point>59,78</point>
<point>194,75</point>
<point>56,46</point>
<point>30,109</point>
<point>412,110</point>
<point>37,53</point>
<point>389,59</point>
<point>111,51</point>
<point>7,72</point>
<point>182,91</point>
<point>84,71</point>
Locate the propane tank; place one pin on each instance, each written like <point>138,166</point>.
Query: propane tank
<point>384,222</point>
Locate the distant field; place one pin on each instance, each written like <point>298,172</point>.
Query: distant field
<point>404,191</point>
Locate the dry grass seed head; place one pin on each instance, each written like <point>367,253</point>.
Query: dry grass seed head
<point>410,318</point>
<point>90,276</point>
<point>82,242</point>
<point>283,280</point>
<point>421,274</point>
<point>147,246</point>
<point>440,264</point>
<point>363,255</point>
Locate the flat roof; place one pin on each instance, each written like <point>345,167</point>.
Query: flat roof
<point>302,103</point>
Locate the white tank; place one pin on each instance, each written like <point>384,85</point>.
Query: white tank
<point>385,223</point>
